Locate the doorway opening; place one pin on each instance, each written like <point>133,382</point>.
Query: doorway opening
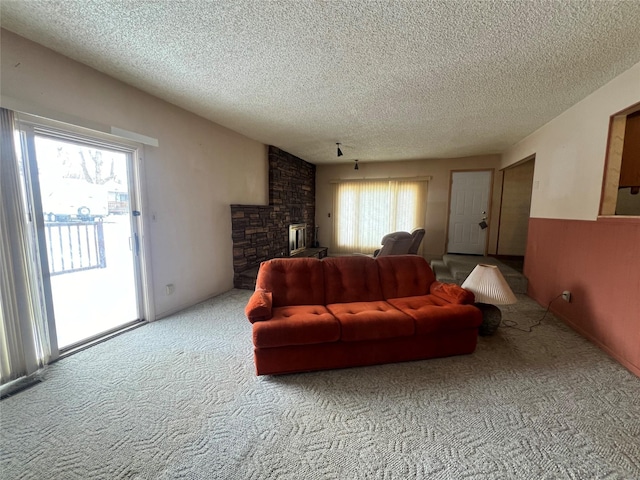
<point>82,194</point>
<point>515,208</point>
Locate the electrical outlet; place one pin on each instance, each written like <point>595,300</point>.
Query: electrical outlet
<point>169,289</point>
<point>566,296</point>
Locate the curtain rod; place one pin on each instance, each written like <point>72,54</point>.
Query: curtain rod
<point>380,179</point>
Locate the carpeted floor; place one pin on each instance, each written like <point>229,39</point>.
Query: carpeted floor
<point>179,399</point>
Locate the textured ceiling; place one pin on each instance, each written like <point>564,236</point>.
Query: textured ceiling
<point>391,80</point>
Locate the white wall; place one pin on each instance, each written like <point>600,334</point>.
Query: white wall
<point>434,243</point>
<point>196,172</point>
<point>571,149</point>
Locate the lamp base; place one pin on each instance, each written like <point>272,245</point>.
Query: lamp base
<point>491,318</point>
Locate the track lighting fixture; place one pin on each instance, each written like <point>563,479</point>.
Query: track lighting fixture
<point>339,151</point>
<point>356,166</point>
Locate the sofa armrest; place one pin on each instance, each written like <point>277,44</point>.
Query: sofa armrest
<point>452,293</point>
<point>259,307</point>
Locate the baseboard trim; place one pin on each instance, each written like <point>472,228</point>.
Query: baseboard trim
<point>173,311</point>
<point>635,369</point>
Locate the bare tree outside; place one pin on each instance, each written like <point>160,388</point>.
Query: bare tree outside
<point>87,164</point>
<point>81,182</point>
<point>94,168</point>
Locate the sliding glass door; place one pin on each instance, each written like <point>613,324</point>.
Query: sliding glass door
<point>82,200</point>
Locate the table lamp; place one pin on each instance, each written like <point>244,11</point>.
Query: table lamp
<point>490,289</point>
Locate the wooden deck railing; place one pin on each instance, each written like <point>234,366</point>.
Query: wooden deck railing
<point>75,246</point>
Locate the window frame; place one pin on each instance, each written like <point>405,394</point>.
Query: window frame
<point>419,218</point>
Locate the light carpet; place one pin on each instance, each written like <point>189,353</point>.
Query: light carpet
<point>179,398</point>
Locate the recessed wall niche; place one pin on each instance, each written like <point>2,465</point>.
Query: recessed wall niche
<point>621,188</point>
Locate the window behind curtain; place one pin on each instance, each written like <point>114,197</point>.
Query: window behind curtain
<point>366,210</point>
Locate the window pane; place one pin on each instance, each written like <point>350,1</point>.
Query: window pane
<point>365,211</point>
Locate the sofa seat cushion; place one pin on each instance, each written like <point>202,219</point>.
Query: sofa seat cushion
<point>432,314</point>
<point>296,325</point>
<point>371,321</point>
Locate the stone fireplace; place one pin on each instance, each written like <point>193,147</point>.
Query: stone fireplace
<point>297,238</point>
<point>261,232</point>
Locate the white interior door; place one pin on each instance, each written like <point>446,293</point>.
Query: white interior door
<point>469,209</point>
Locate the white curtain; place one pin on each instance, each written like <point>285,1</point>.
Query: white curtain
<point>366,210</point>
<point>24,342</point>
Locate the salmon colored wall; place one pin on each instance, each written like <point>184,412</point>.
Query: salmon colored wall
<point>602,274</point>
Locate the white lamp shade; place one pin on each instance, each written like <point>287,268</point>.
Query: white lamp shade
<point>489,286</point>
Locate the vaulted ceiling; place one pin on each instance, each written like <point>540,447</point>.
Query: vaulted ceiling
<point>390,80</point>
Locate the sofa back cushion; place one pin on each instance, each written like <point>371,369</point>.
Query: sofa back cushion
<point>404,276</point>
<point>351,279</point>
<point>292,281</point>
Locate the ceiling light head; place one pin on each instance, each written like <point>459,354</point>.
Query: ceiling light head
<point>339,151</point>
<point>356,166</point>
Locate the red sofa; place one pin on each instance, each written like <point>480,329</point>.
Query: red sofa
<point>311,314</point>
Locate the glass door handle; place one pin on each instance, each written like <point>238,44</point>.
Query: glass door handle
<point>134,244</point>
<point>137,244</point>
